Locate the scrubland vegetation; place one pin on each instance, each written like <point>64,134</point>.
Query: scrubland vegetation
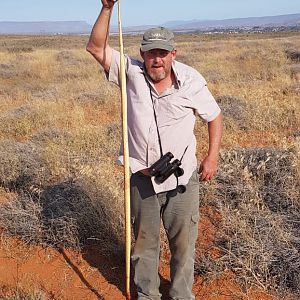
<point>60,133</point>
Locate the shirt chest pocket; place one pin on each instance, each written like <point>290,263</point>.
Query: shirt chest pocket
<point>170,110</point>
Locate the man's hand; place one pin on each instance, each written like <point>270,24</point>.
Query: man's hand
<point>208,168</point>
<point>108,3</point>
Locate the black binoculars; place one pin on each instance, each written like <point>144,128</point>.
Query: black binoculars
<point>164,168</point>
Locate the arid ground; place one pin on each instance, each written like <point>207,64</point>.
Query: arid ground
<point>61,196</point>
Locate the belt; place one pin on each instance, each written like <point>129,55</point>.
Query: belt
<point>145,172</point>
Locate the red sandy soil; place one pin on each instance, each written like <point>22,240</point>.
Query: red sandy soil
<point>65,274</point>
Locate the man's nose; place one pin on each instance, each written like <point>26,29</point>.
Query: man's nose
<point>157,59</point>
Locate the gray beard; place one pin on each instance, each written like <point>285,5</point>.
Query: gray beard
<point>157,77</point>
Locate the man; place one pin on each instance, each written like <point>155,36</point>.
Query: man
<point>164,96</point>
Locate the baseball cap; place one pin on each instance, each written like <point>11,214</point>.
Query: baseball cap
<point>158,38</point>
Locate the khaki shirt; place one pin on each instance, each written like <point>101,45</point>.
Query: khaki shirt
<point>176,109</point>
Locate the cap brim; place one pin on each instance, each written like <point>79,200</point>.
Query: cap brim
<point>156,45</point>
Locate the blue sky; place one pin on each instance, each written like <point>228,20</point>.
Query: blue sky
<point>142,12</point>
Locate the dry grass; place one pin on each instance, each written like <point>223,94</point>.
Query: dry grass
<point>60,133</point>
<point>257,193</point>
<point>18,293</point>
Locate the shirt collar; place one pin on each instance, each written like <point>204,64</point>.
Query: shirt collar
<point>177,76</point>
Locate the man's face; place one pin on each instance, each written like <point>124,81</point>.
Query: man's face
<point>158,63</point>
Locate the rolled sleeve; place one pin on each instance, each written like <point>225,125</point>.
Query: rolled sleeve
<point>205,105</point>
<point>113,74</point>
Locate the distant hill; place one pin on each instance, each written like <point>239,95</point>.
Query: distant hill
<point>268,21</point>
<point>291,20</point>
<point>57,27</point>
<point>77,27</point>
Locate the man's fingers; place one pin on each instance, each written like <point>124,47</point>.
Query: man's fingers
<point>204,176</point>
<point>207,175</point>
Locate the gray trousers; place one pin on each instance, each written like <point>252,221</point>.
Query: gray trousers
<point>180,216</point>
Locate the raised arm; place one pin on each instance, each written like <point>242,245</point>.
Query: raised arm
<point>98,42</point>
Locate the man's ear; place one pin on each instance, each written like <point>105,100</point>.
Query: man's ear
<point>174,53</point>
<point>142,53</point>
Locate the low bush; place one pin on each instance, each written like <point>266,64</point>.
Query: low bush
<point>293,55</point>
<point>257,195</point>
